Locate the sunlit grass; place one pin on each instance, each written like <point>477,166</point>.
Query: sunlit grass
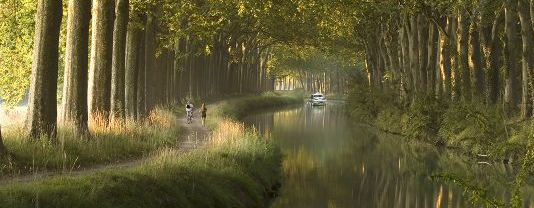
<point>120,141</point>
<point>239,169</point>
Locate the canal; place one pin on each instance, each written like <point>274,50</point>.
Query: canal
<point>330,161</point>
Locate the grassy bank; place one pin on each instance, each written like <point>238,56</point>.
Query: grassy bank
<point>473,128</point>
<point>238,169</point>
<point>241,170</point>
<point>238,108</point>
<point>129,140</point>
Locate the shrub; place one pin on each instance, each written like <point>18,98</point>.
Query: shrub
<point>364,103</point>
<point>423,119</point>
<point>389,119</point>
<point>475,126</point>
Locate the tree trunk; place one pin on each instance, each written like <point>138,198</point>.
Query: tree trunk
<point>495,61</point>
<point>463,56</point>
<point>76,65</point>
<point>170,77</point>
<point>423,33</point>
<point>414,54</point>
<point>528,57</point>
<point>141,78</point>
<point>3,150</point>
<point>101,59</point>
<point>432,68</point>
<point>456,73</point>
<point>150,55</point>
<point>476,59</point>
<point>406,77</point>
<point>42,108</point>
<point>446,48</point>
<point>119,55</point>
<point>512,90</point>
<point>132,71</point>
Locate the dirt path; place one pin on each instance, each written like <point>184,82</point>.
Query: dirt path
<point>194,135</point>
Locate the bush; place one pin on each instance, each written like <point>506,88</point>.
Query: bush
<point>364,104</point>
<point>474,126</point>
<point>389,119</point>
<point>422,121</point>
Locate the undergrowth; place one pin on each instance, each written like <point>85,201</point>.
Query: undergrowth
<point>471,127</point>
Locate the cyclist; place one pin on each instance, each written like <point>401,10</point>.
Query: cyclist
<point>189,111</point>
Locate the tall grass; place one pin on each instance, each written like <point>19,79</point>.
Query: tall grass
<point>122,141</point>
<point>238,168</point>
<point>241,169</point>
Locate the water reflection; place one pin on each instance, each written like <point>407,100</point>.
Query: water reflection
<point>331,163</point>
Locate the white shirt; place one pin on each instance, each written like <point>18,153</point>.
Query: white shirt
<point>189,109</point>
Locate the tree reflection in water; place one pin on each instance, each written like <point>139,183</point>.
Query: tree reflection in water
<point>330,162</point>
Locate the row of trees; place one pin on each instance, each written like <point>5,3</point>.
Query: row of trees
<point>461,50</point>
<point>124,57</point>
<point>312,70</point>
<point>142,53</point>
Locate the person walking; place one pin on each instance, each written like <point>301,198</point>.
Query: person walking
<point>203,112</point>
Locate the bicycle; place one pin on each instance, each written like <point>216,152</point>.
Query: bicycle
<point>189,117</point>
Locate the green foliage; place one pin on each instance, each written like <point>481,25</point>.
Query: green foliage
<point>479,196</point>
<point>475,126</point>
<point>526,169</point>
<point>17,20</point>
<point>389,119</point>
<point>476,195</point>
<point>364,103</point>
<point>297,61</point>
<point>423,120</point>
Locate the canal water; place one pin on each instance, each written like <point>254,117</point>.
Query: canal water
<point>330,161</point>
